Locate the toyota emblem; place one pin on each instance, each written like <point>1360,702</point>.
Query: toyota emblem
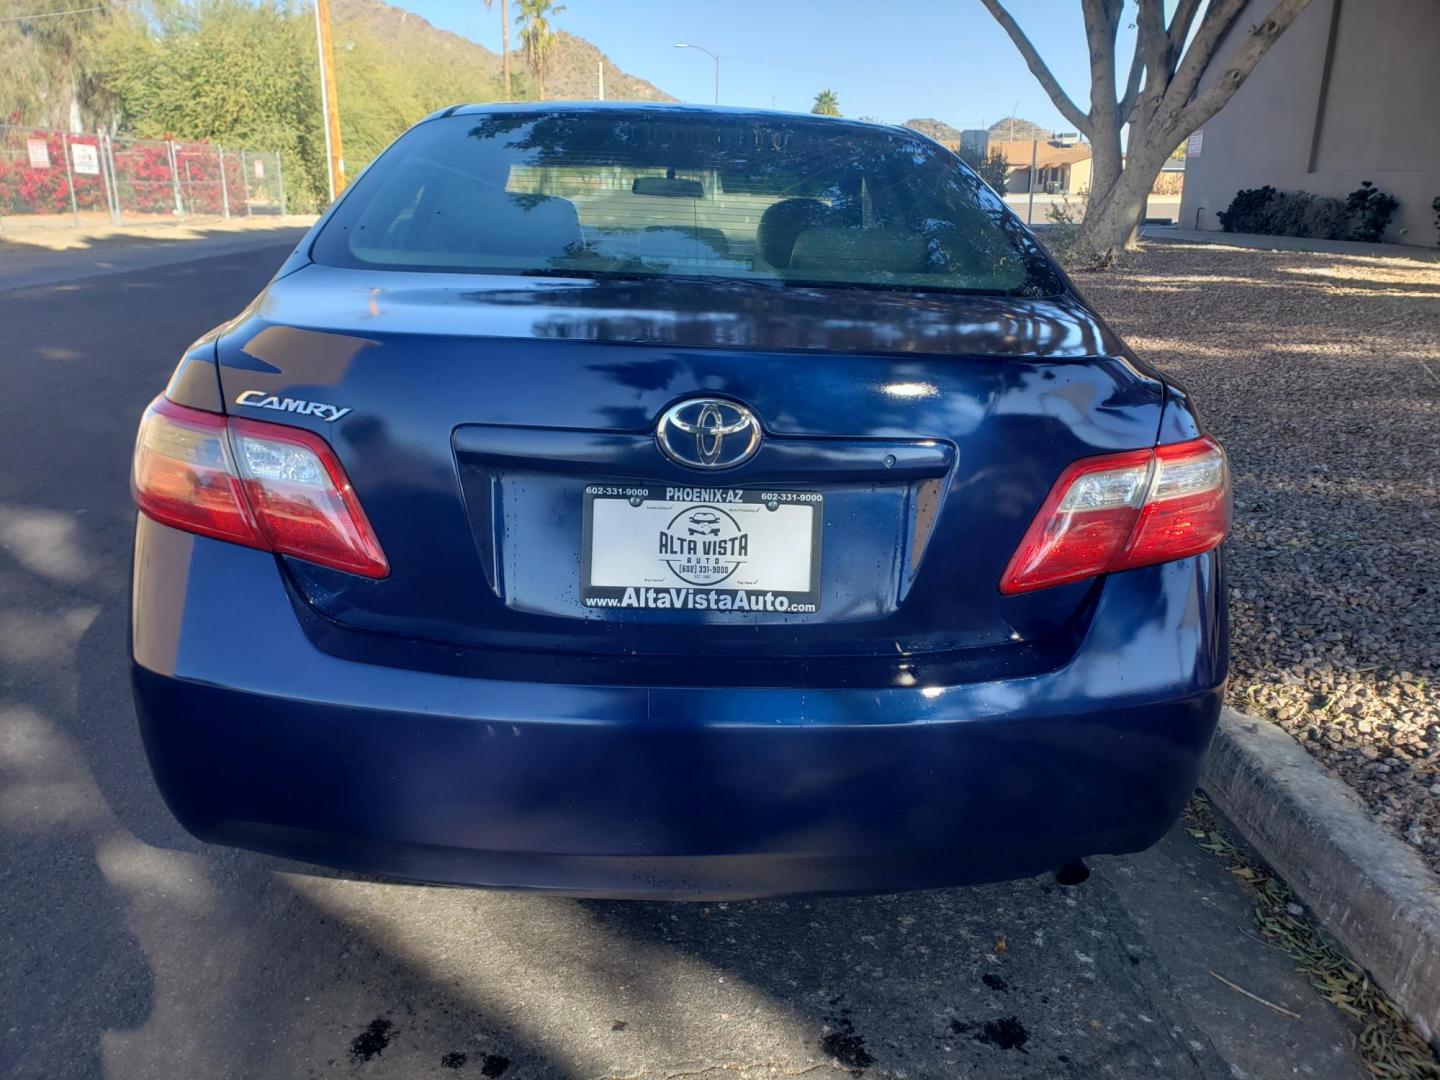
<point>708,433</point>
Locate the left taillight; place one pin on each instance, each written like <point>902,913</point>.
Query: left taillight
<point>266,486</point>
<point>1119,511</point>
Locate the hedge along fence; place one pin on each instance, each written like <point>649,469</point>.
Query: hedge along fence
<point>37,174</point>
<point>50,173</point>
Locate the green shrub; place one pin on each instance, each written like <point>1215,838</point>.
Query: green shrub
<point>1250,211</point>
<point>1370,211</point>
<point>1324,218</point>
<point>1062,238</point>
<point>993,169</point>
<point>1364,215</point>
<point>1291,213</point>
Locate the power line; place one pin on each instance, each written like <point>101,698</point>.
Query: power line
<point>49,14</point>
<point>845,74</point>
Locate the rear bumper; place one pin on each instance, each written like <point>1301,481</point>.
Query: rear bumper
<point>260,740</point>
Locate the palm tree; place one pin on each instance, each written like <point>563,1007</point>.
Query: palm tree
<point>536,38</point>
<point>504,40</point>
<point>827,102</point>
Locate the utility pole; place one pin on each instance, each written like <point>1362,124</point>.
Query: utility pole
<point>329,103</point>
<point>1030,210</point>
<point>505,45</point>
<point>600,75</point>
<point>713,56</point>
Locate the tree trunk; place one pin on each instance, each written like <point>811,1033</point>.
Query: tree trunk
<point>1101,19</point>
<point>1105,167</point>
<point>1162,99</point>
<point>1111,223</point>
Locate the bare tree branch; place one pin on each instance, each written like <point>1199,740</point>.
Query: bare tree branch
<point>1151,36</point>
<point>1038,67</point>
<point>1151,58</point>
<point>1132,83</point>
<point>1102,20</point>
<point>1262,35</point>
<point>1180,27</point>
<point>1162,99</point>
<point>1215,24</point>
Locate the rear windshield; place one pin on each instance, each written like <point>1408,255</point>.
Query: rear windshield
<point>640,194</point>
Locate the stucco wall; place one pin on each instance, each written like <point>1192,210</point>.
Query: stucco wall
<point>1380,121</point>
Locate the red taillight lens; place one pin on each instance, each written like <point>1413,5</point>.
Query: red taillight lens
<point>263,485</point>
<point>302,500</point>
<point>1187,510</point>
<point>1120,511</point>
<point>184,474</point>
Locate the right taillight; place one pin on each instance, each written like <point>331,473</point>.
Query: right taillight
<point>1120,511</point>
<point>266,486</point>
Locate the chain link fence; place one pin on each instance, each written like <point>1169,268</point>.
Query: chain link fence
<point>61,178</point>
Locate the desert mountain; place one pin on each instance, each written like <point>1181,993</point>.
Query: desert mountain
<point>409,38</point>
<point>1017,129</point>
<point>935,129</point>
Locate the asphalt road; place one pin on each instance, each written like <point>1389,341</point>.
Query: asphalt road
<point>129,950</point>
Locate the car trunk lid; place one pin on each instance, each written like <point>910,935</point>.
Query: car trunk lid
<point>472,413</point>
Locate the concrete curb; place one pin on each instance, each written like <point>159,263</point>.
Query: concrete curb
<point>1290,243</point>
<point>1370,889</point>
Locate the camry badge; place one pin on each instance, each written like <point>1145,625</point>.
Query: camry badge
<point>259,399</point>
<point>708,433</point>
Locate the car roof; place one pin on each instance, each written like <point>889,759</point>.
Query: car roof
<point>674,108</point>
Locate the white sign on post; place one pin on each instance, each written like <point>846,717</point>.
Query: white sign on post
<point>259,169</point>
<point>85,158</point>
<point>39,153</point>
<point>1194,144</point>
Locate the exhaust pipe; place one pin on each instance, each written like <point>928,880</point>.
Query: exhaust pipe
<point>1074,872</point>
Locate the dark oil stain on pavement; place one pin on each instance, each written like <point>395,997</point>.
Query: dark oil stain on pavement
<point>494,1065</point>
<point>844,1045</point>
<point>1007,1033</point>
<point>995,982</point>
<point>372,1041</point>
<point>848,1048</point>
<point>454,1060</point>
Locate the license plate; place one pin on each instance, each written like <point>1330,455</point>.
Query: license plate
<point>667,547</point>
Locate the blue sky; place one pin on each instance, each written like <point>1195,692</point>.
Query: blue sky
<point>942,58</point>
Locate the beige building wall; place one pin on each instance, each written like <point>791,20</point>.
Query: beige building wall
<point>1350,92</point>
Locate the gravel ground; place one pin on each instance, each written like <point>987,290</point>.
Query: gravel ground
<point>1321,375</point>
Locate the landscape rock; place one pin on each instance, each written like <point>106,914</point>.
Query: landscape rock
<point>1320,374</point>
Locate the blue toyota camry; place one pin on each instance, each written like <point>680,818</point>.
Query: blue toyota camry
<point>670,501</point>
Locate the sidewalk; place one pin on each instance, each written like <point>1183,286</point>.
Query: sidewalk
<point>45,260</point>
<point>1291,243</point>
